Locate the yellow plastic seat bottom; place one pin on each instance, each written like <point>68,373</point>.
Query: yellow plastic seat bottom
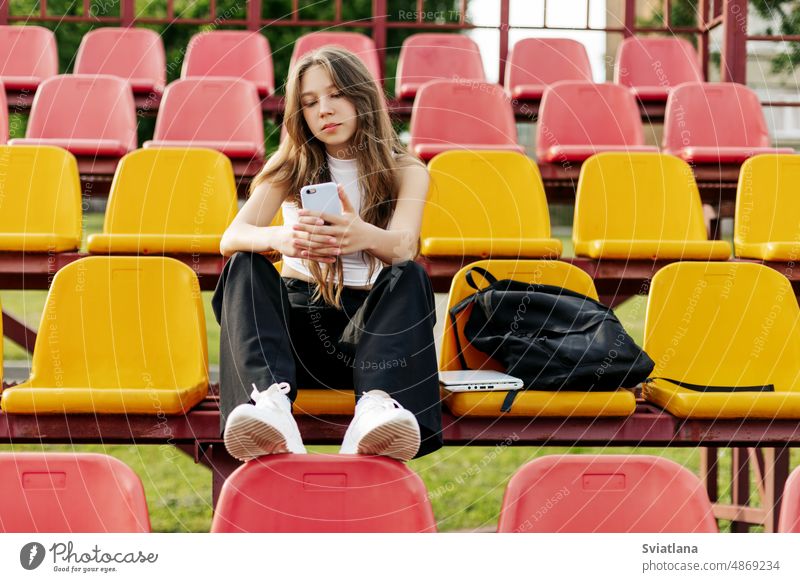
<point>496,247</point>
<point>654,249</point>
<point>34,242</point>
<point>769,251</point>
<point>685,403</point>
<point>22,399</point>
<point>313,402</point>
<point>153,243</point>
<point>539,403</point>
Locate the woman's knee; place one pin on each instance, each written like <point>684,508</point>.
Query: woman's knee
<point>243,263</point>
<point>410,268</point>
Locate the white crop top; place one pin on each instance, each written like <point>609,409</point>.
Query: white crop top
<point>355,265</point>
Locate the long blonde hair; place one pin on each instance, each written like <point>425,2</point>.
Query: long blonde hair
<point>300,158</point>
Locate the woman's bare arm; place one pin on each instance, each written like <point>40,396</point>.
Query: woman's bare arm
<point>250,230</point>
<point>398,242</point>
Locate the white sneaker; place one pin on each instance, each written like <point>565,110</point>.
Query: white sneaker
<point>264,428</point>
<point>381,427</point>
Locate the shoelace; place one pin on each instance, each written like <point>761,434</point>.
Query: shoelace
<point>377,400</point>
<point>260,396</point>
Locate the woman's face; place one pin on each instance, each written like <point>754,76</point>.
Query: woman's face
<point>329,114</point>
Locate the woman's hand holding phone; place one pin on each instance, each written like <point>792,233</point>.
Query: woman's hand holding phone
<point>346,232</point>
<point>292,243</point>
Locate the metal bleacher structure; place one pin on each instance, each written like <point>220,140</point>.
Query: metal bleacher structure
<point>606,266</point>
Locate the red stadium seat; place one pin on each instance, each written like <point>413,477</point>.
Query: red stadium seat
<point>605,494</point>
<point>70,493</point>
<point>231,53</point>
<point>28,56</point>
<point>536,63</point>
<point>219,114</point>
<point>578,119</point>
<point>789,521</point>
<point>652,66</point>
<point>428,56</point>
<point>323,493</point>
<point>716,123</point>
<point>135,54</point>
<point>88,115</point>
<point>357,43</point>
<point>471,115</point>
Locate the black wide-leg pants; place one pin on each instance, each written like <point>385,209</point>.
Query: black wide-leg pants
<point>382,338</point>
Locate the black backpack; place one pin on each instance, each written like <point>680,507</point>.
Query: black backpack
<point>551,338</point>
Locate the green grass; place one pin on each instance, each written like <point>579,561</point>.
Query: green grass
<point>465,484</point>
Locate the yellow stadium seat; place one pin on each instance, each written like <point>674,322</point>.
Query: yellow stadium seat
<point>316,402</point>
<point>40,199</point>
<point>528,402</point>
<point>767,206</point>
<point>487,204</point>
<point>723,325</point>
<point>121,335</point>
<point>168,200</point>
<point>641,206</point>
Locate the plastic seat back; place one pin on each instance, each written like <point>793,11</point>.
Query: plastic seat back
<point>716,115</point>
<point>529,271</point>
<point>651,66</point>
<point>428,56</point>
<point>70,493</point>
<point>29,56</point>
<point>480,200</point>
<point>168,200</point>
<point>789,520</point>
<point>452,113</point>
<point>119,335</point>
<point>605,494</point>
<point>767,207</point>
<point>135,54</point>
<point>84,107</point>
<point>536,63</point>
<point>723,324</point>
<point>323,493</point>
<point>359,44</point>
<point>587,114</point>
<point>41,199</point>
<point>231,53</point>
<point>226,111</point>
<point>636,196</point>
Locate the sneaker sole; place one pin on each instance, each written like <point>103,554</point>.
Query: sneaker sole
<point>252,438</point>
<point>397,439</point>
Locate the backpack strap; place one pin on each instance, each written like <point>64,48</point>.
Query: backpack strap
<point>701,388</point>
<point>455,310</point>
<point>463,304</point>
<point>509,400</point>
<point>483,273</point>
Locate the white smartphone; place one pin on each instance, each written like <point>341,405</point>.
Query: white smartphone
<point>321,197</point>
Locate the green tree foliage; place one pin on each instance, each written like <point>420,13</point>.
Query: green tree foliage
<point>682,13</point>
<point>787,15</point>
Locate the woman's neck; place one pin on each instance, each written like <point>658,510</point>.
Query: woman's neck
<point>340,152</point>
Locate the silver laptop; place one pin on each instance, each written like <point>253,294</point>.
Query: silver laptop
<point>478,380</point>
